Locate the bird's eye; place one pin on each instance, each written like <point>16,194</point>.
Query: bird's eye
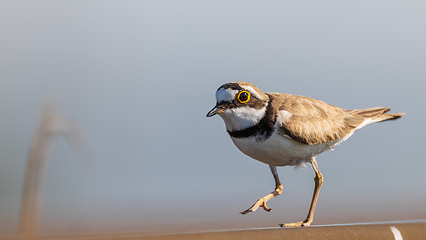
<point>243,97</point>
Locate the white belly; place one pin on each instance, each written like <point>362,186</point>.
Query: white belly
<point>282,151</point>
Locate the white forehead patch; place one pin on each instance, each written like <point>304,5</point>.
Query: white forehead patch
<point>225,94</point>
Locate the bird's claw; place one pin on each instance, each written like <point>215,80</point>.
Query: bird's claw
<point>305,223</point>
<point>259,203</point>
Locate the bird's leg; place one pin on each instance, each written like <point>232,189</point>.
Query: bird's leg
<point>318,182</point>
<point>261,202</point>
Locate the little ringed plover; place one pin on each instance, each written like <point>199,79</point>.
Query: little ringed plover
<point>287,130</point>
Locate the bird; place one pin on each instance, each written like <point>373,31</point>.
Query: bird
<point>282,129</point>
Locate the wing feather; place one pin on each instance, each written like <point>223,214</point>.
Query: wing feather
<point>312,121</point>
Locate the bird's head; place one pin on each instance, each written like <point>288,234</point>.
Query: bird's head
<point>240,104</point>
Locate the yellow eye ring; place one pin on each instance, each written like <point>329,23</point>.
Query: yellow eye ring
<point>243,96</point>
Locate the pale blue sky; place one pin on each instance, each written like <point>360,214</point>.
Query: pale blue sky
<point>140,77</point>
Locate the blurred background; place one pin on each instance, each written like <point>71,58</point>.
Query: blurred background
<point>140,76</point>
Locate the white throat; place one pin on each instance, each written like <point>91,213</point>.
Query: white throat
<point>241,118</point>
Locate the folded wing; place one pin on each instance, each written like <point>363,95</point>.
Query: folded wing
<point>310,121</point>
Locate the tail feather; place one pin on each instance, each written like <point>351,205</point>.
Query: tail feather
<point>388,116</point>
<point>378,114</point>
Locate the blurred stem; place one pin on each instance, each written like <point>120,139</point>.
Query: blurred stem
<point>36,168</point>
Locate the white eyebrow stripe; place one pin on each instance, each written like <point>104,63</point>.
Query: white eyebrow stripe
<point>251,90</point>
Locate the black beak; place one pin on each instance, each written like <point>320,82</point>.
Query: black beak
<point>216,110</point>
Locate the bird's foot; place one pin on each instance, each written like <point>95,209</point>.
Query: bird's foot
<point>259,203</point>
<point>305,223</point>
